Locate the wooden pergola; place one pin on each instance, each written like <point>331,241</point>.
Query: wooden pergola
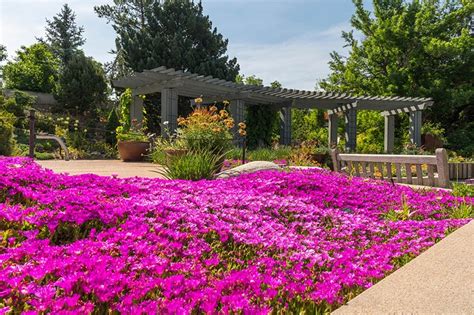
<point>172,83</point>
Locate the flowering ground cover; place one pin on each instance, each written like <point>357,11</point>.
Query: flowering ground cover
<point>270,241</point>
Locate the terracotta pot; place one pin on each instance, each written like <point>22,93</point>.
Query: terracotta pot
<point>130,151</point>
<point>431,142</point>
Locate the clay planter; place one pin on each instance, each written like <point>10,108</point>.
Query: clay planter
<point>131,151</point>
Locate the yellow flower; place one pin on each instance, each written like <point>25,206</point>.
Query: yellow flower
<point>224,113</point>
<point>242,132</point>
<point>198,100</point>
<point>229,124</point>
<point>213,108</point>
<point>242,125</point>
<point>181,121</point>
<point>225,102</point>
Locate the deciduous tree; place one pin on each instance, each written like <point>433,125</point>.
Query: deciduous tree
<point>413,48</point>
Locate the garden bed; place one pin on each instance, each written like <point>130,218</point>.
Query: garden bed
<point>300,240</point>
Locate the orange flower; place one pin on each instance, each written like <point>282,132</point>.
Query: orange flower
<point>242,125</point>
<point>213,108</point>
<point>242,132</point>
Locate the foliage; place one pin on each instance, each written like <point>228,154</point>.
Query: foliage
<point>170,33</point>
<point>111,128</point>
<point>413,48</point>
<point>206,129</point>
<point>34,69</point>
<point>153,246</point>
<point>125,102</point>
<point>63,36</point>
<point>81,86</point>
<point>262,120</point>
<point>463,190</point>
<point>433,129</point>
<point>3,53</point>
<point>7,142</point>
<point>194,165</point>
<point>134,133</point>
<point>370,140</point>
<point>269,154</point>
<point>308,124</point>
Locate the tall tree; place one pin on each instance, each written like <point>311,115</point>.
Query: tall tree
<point>33,69</point>
<point>63,35</point>
<point>413,48</point>
<point>81,85</point>
<point>171,33</point>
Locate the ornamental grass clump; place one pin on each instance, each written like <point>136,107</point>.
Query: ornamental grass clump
<point>299,242</point>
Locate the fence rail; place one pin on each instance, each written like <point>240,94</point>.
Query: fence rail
<point>408,169</point>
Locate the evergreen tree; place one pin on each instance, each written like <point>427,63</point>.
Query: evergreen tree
<point>171,33</point>
<point>81,85</point>
<point>63,35</point>
<point>33,69</point>
<point>413,48</point>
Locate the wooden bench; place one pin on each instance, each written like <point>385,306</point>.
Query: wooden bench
<point>391,167</point>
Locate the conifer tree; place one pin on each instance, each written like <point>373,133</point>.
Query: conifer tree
<point>63,35</point>
<point>171,33</point>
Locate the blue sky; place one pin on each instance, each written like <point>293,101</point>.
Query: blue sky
<point>284,40</point>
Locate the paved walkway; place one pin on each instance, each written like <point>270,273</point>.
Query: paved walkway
<point>439,281</point>
<point>103,168</point>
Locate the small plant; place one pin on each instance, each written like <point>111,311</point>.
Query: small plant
<point>134,133</point>
<point>193,165</point>
<point>463,190</point>
<point>462,211</point>
<point>206,128</point>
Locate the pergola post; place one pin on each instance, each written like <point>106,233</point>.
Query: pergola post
<point>332,126</point>
<point>415,127</point>
<point>350,117</point>
<point>136,109</point>
<point>237,112</point>
<point>285,125</point>
<point>389,133</point>
<point>169,111</point>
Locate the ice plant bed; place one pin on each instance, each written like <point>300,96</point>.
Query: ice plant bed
<point>259,243</point>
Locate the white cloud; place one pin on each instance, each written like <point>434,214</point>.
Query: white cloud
<point>22,21</point>
<point>296,63</point>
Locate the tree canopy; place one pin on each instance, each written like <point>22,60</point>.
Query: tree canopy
<point>81,84</point>
<point>63,35</point>
<point>175,34</point>
<point>34,69</point>
<point>413,48</point>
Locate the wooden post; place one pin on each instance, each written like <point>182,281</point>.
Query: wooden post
<point>442,165</point>
<point>415,127</point>
<point>32,134</point>
<point>285,125</point>
<point>389,133</point>
<point>350,117</point>
<point>237,112</point>
<point>169,111</point>
<point>335,159</point>
<point>136,109</point>
<point>333,120</point>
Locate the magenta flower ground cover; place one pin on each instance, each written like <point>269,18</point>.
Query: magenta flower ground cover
<point>269,241</point>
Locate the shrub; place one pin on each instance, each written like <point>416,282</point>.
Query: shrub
<point>206,129</point>
<point>194,165</point>
<point>7,143</point>
<point>463,190</point>
<point>111,127</point>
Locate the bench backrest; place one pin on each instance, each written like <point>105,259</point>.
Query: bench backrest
<point>408,169</point>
